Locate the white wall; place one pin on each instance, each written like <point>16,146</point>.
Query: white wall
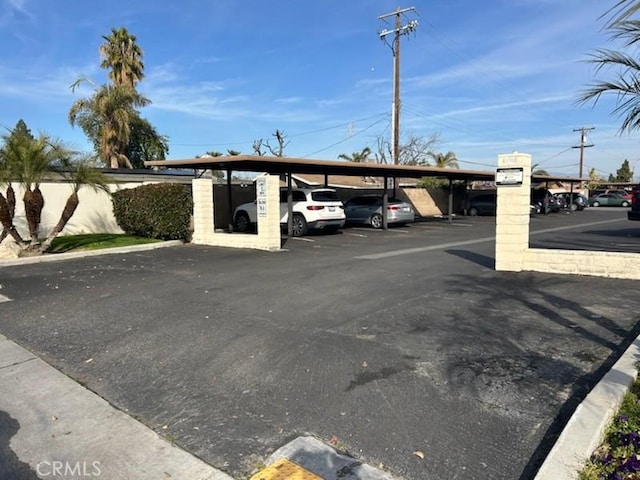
<point>93,215</point>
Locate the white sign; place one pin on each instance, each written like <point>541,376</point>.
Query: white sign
<point>261,196</point>
<point>509,176</point>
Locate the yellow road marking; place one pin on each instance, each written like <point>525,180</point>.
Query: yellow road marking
<point>285,469</point>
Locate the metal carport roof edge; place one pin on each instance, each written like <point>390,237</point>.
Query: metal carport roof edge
<point>281,165</point>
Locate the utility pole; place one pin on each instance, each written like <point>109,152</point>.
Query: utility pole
<point>583,144</point>
<point>397,31</point>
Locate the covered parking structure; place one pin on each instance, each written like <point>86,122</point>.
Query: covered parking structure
<point>288,166</point>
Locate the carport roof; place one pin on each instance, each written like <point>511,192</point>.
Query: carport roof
<point>281,165</point>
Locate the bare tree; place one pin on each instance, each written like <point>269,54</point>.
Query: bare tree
<point>415,151</point>
<point>279,150</point>
<point>257,147</point>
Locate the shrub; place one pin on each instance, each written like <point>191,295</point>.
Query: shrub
<point>160,211</point>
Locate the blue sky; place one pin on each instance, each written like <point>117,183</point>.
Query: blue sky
<point>489,77</point>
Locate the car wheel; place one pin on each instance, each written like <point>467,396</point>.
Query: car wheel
<point>242,222</point>
<point>473,212</point>
<point>376,220</point>
<point>625,204</point>
<point>573,207</point>
<point>299,227</point>
<point>595,204</point>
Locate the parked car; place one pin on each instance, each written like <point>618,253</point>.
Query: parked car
<point>609,200</point>
<point>573,201</point>
<point>367,210</point>
<point>313,209</point>
<point>623,193</point>
<point>558,202</point>
<point>634,213</point>
<point>545,201</point>
<point>484,204</point>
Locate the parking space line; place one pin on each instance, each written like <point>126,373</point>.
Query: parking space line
<point>303,239</point>
<point>409,251</point>
<point>4,299</point>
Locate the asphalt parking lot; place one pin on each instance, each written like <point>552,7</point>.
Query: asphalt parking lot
<point>388,342</point>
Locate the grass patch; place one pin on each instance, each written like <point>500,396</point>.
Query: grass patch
<point>618,457</point>
<point>95,241</point>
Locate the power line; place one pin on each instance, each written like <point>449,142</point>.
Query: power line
<point>344,139</point>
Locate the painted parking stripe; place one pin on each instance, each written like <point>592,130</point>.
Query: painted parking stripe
<point>410,251</point>
<point>4,298</point>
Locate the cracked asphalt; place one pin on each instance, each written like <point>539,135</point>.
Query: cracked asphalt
<point>232,353</point>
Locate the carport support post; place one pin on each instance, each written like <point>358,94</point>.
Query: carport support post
<point>450,201</point>
<point>513,215</point>
<point>385,204</point>
<point>289,206</point>
<point>229,200</point>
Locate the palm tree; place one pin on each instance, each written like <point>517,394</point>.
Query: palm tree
<point>357,157</point>
<point>538,171</point>
<point>123,56</point>
<point>626,83</point>
<point>445,160</point>
<point>80,174</point>
<point>28,161</point>
<point>8,203</point>
<point>106,118</point>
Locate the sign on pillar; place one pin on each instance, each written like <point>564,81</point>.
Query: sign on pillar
<point>261,196</point>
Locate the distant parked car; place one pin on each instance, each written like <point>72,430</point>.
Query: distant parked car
<point>484,204</point>
<point>573,201</point>
<point>367,210</point>
<point>634,212</point>
<point>313,209</point>
<point>609,200</point>
<point>623,193</point>
<point>559,202</point>
<point>545,201</point>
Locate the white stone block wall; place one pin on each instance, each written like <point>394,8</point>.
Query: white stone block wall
<point>94,213</point>
<point>512,238</point>
<point>268,236</point>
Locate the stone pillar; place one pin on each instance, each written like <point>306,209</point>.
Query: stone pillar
<point>203,225</point>
<point>513,214</point>
<point>268,205</point>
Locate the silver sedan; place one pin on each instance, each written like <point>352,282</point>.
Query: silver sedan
<point>367,210</point>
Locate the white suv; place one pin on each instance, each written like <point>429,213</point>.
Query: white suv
<point>313,209</point>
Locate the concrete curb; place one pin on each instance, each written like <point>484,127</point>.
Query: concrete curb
<point>585,429</point>
<point>57,257</point>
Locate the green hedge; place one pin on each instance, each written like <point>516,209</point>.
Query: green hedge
<point>161,210</point>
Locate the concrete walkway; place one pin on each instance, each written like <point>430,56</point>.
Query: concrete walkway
<point>66,431</point>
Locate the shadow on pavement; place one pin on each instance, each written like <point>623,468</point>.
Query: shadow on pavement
<point>10,465</point>
<point>482,260</point>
